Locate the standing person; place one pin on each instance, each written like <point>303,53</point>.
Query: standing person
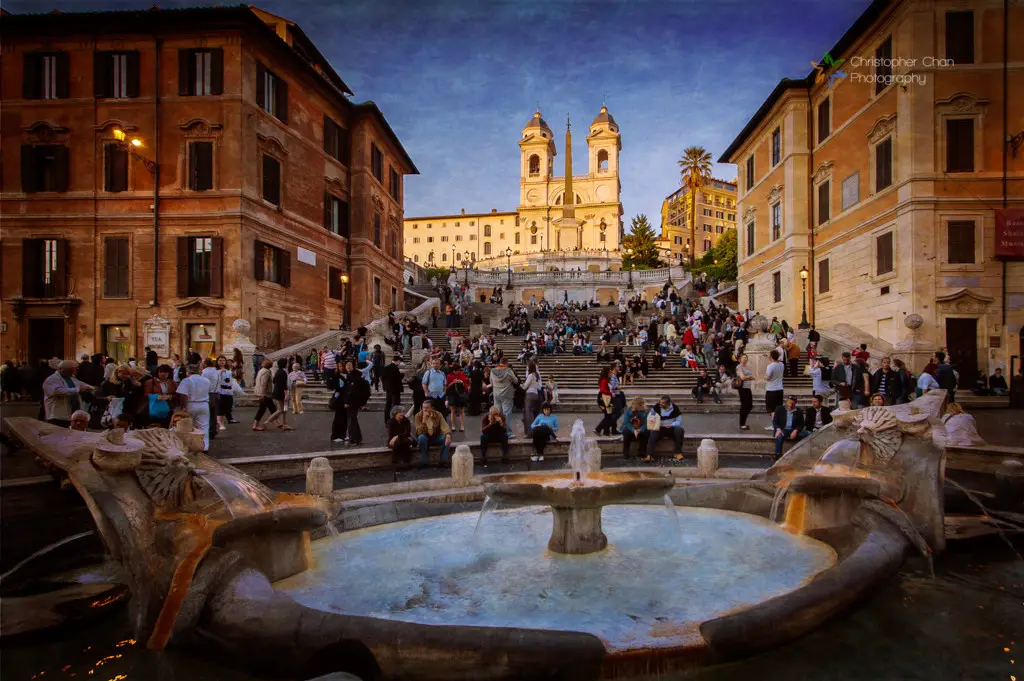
<point>151,361</point>
<point>62,393</point>
<point>160,392</point>
<point>391,379</point>
<point>604,398</point>
<point>211,374</point>
<point>504,382</point>
<point>434,383</point>
<point>225,392</point>
<point>263,388</point>
<point>671,420</point>
<point>773,387</point>
<point>850,382</point>
<point>788,424</point>
<point>457,389</point>
<point>415,383</point>
<point>946,376</point>
<point>493,430</point>
<point>296,386</point>
<point>532,386</point>
<point>123,386</point>
<point>817,415</point>
<point>279,394</point>
<point>476,387</point>
<point>819,383</point>
<point>195,396</point>
<point>634,426</point>
<point>793,355</point>
<point>339,426</point>
<point>886,382</point>
<point>329,368</point>
<point>544,429</point>
<point>376,366</point>
<point>400,439</point>
<point>357,394</point>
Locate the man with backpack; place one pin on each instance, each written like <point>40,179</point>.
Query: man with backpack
<point>391,378</point>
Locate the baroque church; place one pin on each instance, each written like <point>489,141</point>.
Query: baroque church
<point>589,224</point>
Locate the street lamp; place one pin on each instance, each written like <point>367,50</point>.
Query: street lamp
<point>466,263</point>
<point>453,259</point>
<point>344,301</point>
<point>629,254</point>
<point>803,281</point>
<point>131,145</point>
<point>508,257</point>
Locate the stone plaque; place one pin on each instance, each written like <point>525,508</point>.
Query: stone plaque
<point>307,256</point>
<point>156,333</point>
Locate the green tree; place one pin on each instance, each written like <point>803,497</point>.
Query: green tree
<point>695,168</point>
<point>641,242</point>
<point>720,261</point>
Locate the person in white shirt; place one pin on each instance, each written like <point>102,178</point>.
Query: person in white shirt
<point>773,387</point>
<point>195,392</point>
<point>926,382</point>
<point>211,374</point>
<point>821,387</point>
<point>62,393</point>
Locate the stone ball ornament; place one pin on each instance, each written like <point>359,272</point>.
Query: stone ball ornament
<point>759,324</point>
<point>913,321</point>
<point>241,327</point>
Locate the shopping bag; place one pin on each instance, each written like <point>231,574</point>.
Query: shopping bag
<point>158,409</point>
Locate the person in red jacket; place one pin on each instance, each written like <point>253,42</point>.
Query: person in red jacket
<point>604,397</point>
<point>456,392</point>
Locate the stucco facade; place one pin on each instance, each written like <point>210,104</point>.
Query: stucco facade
<point>716,214</point>
<point>888,192</point>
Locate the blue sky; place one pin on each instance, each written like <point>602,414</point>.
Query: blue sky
<point>458,79</point>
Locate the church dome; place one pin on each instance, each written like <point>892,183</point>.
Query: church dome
<point>537,122</point>
<point>604,117</point>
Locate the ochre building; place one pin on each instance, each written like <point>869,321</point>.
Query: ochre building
<point>166,172</point>
<point>716,213</point>
<point>540,222</point>
<point>885,179</point>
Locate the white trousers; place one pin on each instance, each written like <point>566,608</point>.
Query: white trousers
<point>200,413</point>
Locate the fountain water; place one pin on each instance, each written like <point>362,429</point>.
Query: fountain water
<point>489,505</point>
<point>673,515</point>
<point>43,551</point>
<point>577,450</point>
<point>237,494</point>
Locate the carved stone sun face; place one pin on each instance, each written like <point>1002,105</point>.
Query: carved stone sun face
<point>879,430</point>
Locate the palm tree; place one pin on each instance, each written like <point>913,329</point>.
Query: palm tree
<point>695,168</point>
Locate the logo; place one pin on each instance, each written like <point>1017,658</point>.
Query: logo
<point>826,65</point>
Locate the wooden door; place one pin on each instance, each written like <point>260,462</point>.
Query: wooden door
<point>962,342</point>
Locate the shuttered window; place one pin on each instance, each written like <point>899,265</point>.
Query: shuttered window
<point>777,287</point>
<point>200,266</point>
<point>201,72</point>
<point>883,253</point>
<point>883,68</point>
<point>336,140</point>
<point>750,239</point>
<point>335,287</point>
<point>824,272</point>
<point>883,164</point>
<point>776,221</point>
<point>45,75</point>
<point>271,93</point>
<point>115,267</point>
<point>116,74</point>
<point>960,37</point>
<point>271,180</point>
<point>376,230</point>
<point>750,175</point>
<point>960,145</point>
<point>824,119</point>
<point>751,298</point>
<point>44,268</point>
<point>960,242</point>
<point>776,146</point>
<point>335,215</point>
<point>115,168</point>
<point>395,185</point>
<point>376,291</point>
<point>823,202</point>
<point>44,168</point>
<point>377,162</point>
<point>272,264</point>
<point>200,166</point>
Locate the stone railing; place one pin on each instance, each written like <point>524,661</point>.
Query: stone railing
<point>844,338</point>
<point>558,278</point>
<point>376,331</point>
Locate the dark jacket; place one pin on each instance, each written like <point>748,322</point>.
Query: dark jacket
<point>399,429</point>
<point>391,377</point>
<point>839,376</point>
<point>826,417</point>
<point>945,376</point>
<point>357,390</point>
<point>893,384</point>
<point>779,419</point>
<point>813,336</point>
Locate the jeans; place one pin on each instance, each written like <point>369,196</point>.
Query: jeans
<point>714,394</point>
<point>746,404</point>
<point>629,437</point>
<point>786,432</point>
<point>486,439</point>
<point>425,443</point>
<point>355,433</point>
<point>677,433</point>
<point>541,436</point>
<point>505,405</point>
<point>530,408</point>
<point>794,367</point>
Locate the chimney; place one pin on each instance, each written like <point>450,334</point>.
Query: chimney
<point>463,211</point>
<point>494,210</point>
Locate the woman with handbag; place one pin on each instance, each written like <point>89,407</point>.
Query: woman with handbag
<point>225,393</point>
<point>296,386</point>
<point>160,394</point>
<point>123,391</point>
<point>604,401</point>
<point>742,383</point>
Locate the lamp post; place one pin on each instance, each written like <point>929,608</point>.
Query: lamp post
<point>508,258</point>
<point>453,259</point>
<point>466,263</point>
<point>803,282</point>
<point>344,301</point>
<point>629,254</point>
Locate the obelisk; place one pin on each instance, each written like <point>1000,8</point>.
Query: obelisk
<point>568,227</point>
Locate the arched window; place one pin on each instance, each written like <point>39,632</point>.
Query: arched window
<point>487,230</point>
<point>415,258</point>
<point>430,257</point>
<point>602,161</point>
<point>534,165</point>
<point>558,201</point>
<point>444,257</point>
<point>472,256</point>
<point>487,248</point>
<point>517,238</point>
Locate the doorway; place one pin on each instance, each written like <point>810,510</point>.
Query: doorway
<point>45,339</point>
<point>202,338</point>
<point>116,342</point>
<point>962,343</point>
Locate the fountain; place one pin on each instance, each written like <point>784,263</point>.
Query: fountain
<point>608,586</point>
<point>577,498</point>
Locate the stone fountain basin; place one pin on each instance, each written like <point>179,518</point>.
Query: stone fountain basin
<point>599,489</point>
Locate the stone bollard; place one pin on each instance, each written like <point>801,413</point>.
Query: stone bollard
<point>320,477</point>
<point>707,458</point>
<point>462,466</point>
<point>592,455</point>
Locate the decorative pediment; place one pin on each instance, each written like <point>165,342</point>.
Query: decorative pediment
<point>335,185</point>
<point>823,172</point>
<point>46,132</point>
<point>378,204</point>
<point>748,212</point>
<point>271,144</point>
<point>196,305</point>
<point>200,127</point>
<point>964,294</point>
<point>962,103</point>
<point>775,194</point>
<point>963,301</point>
<point>882,128</point>
<point>115,123</point>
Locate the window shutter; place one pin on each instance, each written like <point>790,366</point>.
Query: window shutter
<point>110,266</point>
<point>63,67</point>
<point>60,170</point>
<point>122,267</point>
<point>100,82</point>
<point>216,71</point>
<point>183,266</point>
<point>193,165</point>
<point>823,202</point>
<point>132,73</point>
<point>30,77</point>
<point>884,262</point>
<point>343,218</point>
<point>883,164</point>
<point>960,242</point>
<point>966,150</point>
<point>217,268</point>
<point>31,261</point>
<point>330,137</point>
<point>185,73</point>
<point>60,283</point>
<point>29,169</point>
<point>108,167</point>
<point>205,164</point>
<point>272,180</point>
<point>960,145</point>
<point>327,212</point>
<point>823,276</point>
<point>258,274</point>
<point>261,85</point>
<point>286,266</point>
<point>281,91</point>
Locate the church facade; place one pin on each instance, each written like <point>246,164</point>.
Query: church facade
<point>588,225</point>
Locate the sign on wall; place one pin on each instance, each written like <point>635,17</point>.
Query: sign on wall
<point>1010,234</point>
<point>307,256</point>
